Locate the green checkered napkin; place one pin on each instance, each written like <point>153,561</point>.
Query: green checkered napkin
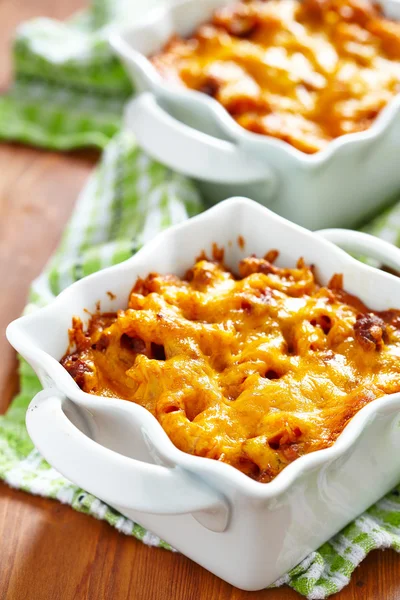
<point>69,92</point>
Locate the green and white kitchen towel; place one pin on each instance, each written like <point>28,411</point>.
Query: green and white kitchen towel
<point>69,92</point>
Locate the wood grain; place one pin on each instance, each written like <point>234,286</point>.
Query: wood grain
<point>37,193</point>
<point>48,551</point>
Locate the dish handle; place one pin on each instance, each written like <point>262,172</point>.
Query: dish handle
<point>364,244</point>
<point>189,151</point>
<point>117,479</point>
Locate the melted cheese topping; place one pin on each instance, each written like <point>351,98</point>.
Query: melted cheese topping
<point>254,370</point>
<point>304,72</point>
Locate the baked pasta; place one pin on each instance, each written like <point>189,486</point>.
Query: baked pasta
<point>252,369</point>
<point>304,72</point>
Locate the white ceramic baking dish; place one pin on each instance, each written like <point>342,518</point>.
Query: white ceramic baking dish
<point>192,133</point>
<point>246,532</point>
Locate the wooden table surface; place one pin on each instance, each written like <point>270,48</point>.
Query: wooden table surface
<point>48,551</point>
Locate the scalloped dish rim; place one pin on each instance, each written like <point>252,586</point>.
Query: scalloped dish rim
<point>21,340</point>
<point>117,40</point>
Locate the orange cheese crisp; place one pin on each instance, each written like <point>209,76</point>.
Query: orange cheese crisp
<point>253,370</point>
<point>304,72</point>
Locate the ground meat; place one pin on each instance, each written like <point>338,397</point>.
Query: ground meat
<point>76,367</point>
<point>210,86</point>
<point>370,331</point>
<point>392,317</point>
<point>252,264</point>
<point>291,451</point>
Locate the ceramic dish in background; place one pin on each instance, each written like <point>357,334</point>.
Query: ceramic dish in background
<point>246,532</point>
<point>192,133</point>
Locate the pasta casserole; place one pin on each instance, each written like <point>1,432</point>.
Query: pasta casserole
<point>304,72</point>
<point>254,368</point>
